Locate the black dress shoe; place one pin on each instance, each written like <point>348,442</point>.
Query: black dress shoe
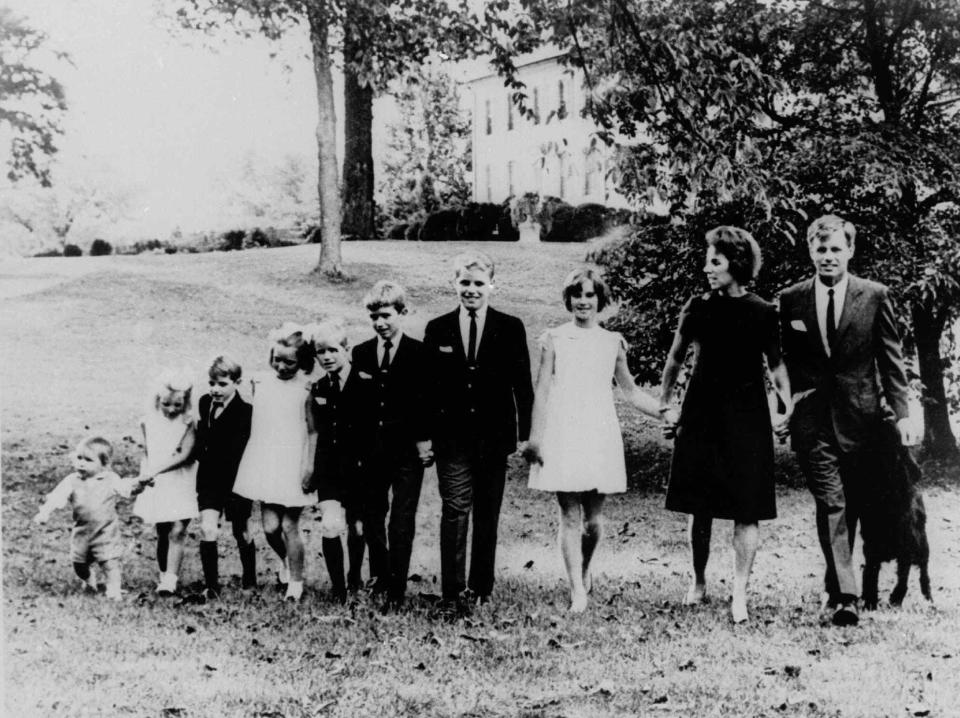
<point>846,614</point>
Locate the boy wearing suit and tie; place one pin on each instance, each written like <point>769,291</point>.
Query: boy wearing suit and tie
<point>222,434</point>
<point>484,398</point>
<point>337,402</point>
<point>840,337</point>
<point>396,444</point>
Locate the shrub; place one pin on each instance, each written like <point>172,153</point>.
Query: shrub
<point>53,252</point>
<point>439,226</point>
<point>413,232</point>
<point>478,221</point>
<point>397,231</point>
<point>170,249</point>
<point>142,245</point>
<point>506,231</point>
<point>72,250</point>
<point>578,224</point>
<point>100,248</point>
<point>232,240</point>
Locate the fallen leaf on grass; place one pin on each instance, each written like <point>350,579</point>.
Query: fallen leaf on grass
<point>190,629</point>
<point>528,564</point>
<point>689,666</point>
<point>919,709</point>
<point>792,671</point>
<point>604,688</point>
<point>477,639</point>
<point>172,711</point>
<point>324,706</point>
<point>420,667</point>
<point>556,643</point>
<point>208,667</point>
<point>331,654</point>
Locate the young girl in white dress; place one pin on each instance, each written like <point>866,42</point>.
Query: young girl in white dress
<point>575,447</point>
<point>170,501</point>
<point>279,454</point>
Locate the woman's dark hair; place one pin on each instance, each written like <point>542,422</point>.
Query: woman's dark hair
<point>740,249</point>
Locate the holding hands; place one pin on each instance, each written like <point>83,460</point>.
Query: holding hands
<point>530,451</point>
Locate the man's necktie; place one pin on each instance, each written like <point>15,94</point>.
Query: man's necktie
<point>831,321</point>
<point>472,340</point>
<point>385,362</point>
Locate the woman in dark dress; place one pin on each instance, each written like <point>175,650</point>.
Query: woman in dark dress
<point>723,451</point>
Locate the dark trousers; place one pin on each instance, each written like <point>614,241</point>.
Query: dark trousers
<point>470,479</point>
<point>399,473</point>
<point>837,481</point>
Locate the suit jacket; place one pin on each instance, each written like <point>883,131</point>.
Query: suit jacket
<point>845,385</point>
<point>491,403</point>
<point>340,425</point>
<point>219,447</point>
<point>398,405</point>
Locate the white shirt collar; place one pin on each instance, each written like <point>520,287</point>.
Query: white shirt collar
<point>840,288</point>
<point>343,373</point>
<point>393,342</point>
<point>481,314</point>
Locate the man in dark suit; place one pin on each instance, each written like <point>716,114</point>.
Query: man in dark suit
<point>396,444</point>
<point>222,434</point>
<point>842,351</point>
<point>483,401</point>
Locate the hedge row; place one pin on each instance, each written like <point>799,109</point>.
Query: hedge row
<point>560,222</point>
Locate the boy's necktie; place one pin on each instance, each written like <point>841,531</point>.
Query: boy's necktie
<point>472,340</point>
<point>335,384</point>
<point>831,321</point>
<point>385,362</point>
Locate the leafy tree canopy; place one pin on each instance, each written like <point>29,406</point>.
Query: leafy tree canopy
<point>31,101</point>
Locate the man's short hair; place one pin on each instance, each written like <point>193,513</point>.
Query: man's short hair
<point>740,249</point>
<point>225,366</point>
<point>575,280</point>
<point>472,260</point>
<point>826,226</point>
<point>385,294</point>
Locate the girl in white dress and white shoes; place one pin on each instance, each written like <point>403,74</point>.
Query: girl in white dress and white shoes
<point>170,501</point>
<point>279,453</point>
<point>576,448</point>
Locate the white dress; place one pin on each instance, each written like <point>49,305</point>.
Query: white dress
<point>582,447</point>
<point>276,456</point>
<point>173,496</point>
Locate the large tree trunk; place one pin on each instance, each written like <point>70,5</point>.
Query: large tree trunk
<point>328,180</point>
<point>358,207</point>
<point>938,439</point>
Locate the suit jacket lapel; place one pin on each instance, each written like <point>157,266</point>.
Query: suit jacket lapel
<point>851,306</point>
<point>809,311</point>
<point>489,332</point>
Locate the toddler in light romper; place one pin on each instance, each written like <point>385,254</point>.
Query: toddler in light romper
<point>92,491</point>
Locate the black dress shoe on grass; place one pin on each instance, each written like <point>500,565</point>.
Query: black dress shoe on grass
<point>846,615</point>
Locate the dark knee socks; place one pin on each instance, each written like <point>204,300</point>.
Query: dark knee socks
<point>248,562</point>
<point>208,559</point>
<point>163,545</point>
<point>82,570</point>
<point>356,547</point>
<point>333,555</point>
<point>277,543</point>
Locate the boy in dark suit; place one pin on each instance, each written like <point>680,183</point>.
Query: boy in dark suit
<point>396,441</point>
<point>222,435</point>
<point>484,397</point>
<point>338,402</point>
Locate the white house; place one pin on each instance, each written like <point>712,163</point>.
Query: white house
<point>554,153</point>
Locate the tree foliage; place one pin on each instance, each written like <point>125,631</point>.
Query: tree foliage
<point>427,159</point>
<point>31,101</point>
<point>766,114</point>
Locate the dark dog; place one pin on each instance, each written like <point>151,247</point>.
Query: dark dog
<point>893,519</point>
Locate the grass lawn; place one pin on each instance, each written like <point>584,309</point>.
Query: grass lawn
<point>81,339</point>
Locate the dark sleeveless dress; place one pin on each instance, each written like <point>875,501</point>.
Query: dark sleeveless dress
<point>723,453</point>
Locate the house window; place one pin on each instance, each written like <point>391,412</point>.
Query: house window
<point>486,172</point>
<point>561,102</point>
<point>536,106</point>
<point>563,179</point>
<point>489,118</point>
<point>509,113</point>
<point>510,166</point>
<point>588,177</point>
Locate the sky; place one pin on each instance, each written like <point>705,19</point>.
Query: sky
<point>168,113</point>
